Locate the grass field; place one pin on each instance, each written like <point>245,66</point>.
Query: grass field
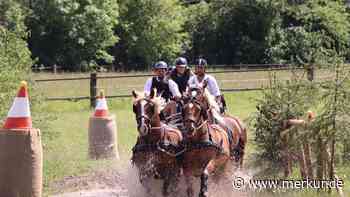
<point>65,140</point>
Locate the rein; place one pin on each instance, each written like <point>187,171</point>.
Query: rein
<point>200,126</point>
<point>201,123</point>
<point>198,122</point>
<point>161,145</point>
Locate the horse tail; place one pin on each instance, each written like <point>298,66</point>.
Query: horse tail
<point>242,139</point>
<point>242,127</point>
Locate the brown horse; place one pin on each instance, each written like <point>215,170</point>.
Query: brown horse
<point>158,146</point>
<point>234,127</point>
<point>207,147</point>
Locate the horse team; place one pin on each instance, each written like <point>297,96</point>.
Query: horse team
<point>188,137</point>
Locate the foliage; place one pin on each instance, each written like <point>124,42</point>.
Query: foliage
<point>15,60</point>
<point>73,34</point>
<point>291,100</point>
<point>201,27</point>
<point>242,29</point>
<point>280,102</point>
<point>333,121</point>
<point>227,31</point>
<point>150,30</point>
<point>313,32</point>
<point>316,33</point>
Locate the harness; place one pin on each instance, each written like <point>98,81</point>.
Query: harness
<point>234,151</point>
<point>161,145</point>
<point>205,144</point>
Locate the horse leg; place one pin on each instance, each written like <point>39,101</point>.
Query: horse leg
<point>166,184</point>
<point>144,179</point>
<point>170,178</point>
<point>204,184</point>
<point>242,148</point>
<point>174,181</point>
<point>145,183</point>
<point>189,183</point>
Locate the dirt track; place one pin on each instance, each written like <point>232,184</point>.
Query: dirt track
<point>124,183</point>
<point>97,184</point>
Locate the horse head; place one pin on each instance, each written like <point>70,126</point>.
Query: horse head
<point>194,116</point>
<point>144,109</point>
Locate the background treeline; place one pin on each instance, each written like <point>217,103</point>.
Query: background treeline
<point>80,35</point>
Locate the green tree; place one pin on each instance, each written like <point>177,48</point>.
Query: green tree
<point>230,31</point>
<point>74,34</point>
<point>202,30</point>
<point>332,126</point>
<point>313,32</point>
<point>310,33</point>
<point>15,57</point>
<point>149,30</point>
<point>242,28</point>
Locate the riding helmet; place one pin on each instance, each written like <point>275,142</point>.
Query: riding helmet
<point>201,62</point>
<point>160,65</point>
<point>181,61</point>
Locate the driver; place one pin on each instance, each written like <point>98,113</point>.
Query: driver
<point>165,87</point>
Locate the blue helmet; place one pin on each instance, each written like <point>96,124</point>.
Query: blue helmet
<point>181,61</point>
<point>160,65</point>
<point>201,62</point>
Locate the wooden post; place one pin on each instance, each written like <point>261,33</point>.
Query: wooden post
<point>346,151</point>
<point>307,153</point>
<point>311,72</point>
<point>54,69</point>
<point>93,89</point>
<point>320,159</point>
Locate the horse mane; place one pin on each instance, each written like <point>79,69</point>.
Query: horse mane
<point>211,100</point>
<point>215,109</point>
<point>158,103</point>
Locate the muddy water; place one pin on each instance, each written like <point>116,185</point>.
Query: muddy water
<point>124,183</point>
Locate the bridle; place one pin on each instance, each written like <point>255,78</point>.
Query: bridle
<point>203,115</point>
<point>142,118</point>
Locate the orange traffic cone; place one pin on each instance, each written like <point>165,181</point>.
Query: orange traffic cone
<point>19,115</point>
<point>101,110</point>
<point>102,131</point>
<point>21,165</point>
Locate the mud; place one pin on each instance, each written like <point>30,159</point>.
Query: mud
<point>123,182</point>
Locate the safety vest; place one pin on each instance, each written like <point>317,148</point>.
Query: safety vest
<point>162,88</point>
<point>182,80</point>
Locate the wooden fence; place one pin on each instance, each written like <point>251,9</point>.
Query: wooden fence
<point>93,78</point>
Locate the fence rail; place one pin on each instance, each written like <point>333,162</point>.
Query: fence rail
<point>129,95</point>
<point>93,78</point>
<point>149,75</point>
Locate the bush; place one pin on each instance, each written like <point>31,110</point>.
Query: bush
<point>280,102</point>
<point>15,57</point>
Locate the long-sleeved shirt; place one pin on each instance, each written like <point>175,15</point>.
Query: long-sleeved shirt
<point>212,86</point>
